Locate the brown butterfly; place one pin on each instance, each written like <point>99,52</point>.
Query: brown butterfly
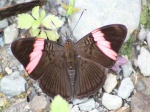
<point>73,70</point>
<point>13,10</point>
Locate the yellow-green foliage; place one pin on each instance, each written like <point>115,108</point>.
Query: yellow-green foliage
<point>145,15</point>
<point>38,22</point>
<point>126,49</point>
<point>59,105</point>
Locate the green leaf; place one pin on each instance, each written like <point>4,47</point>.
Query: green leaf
<point>52,35</point>
<point>25,21</point>
<point>35,12</point>
<point>42,35</point>
<point>42,14</point>
<point>59,105</point>
<point>52,22</point>
<point>36,24</point>
<point>34,32</point>
<point>70,8</point>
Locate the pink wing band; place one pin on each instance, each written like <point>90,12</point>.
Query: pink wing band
<point>103,44</point>
<point>36,55</point>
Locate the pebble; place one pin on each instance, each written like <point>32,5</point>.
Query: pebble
<point>61,11</point>
<point>88,105</point>
<point>13,84</point>
<point>127,69</point>
<point>110,83</point>
<point>148,39</point>
<point>39,104</point>
<point>143,61</point>
<point>125,88</point>
<point>92,18</point>
<point>111,101</point>
<point>140,103</point>
<point>3,23</point>
<point>75,108</point>
<point>8,70</point>
<point>142,34</point>
<point>94,110</point>
<point>78,101</point>
<point>11,33</point>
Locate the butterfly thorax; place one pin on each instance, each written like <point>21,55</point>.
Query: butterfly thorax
<point>70,59</point>
<point>69,54</point>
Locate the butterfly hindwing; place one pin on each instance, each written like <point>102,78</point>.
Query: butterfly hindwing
<point>89,77</point>
<point>43,60</point>
<point>102,45</point>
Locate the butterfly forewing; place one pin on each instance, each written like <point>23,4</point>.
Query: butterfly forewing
<point>87,48</point>
<point>50,69</point>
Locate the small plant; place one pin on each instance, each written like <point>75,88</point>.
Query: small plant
<point>145,14</point>
<point>70,9</point>
<point>59,105</point>
<point>39,24</point>
<point>127,46</point>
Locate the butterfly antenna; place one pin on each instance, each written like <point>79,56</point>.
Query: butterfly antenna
<point>58,30</point>
<point>78,20</point>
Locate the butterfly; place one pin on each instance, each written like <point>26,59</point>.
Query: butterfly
<point>73,70</point>
<point>12,10</point>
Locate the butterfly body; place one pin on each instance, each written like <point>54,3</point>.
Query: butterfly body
<point>73,70</point>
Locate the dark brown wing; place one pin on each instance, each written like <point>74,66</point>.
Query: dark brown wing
<point>50,69</point>
<point>89,78</point>
<point>13,10</point>
<point>87,48</point>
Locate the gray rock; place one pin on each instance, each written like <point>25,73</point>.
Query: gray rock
<point>127,69</point>
<point>75,108</point>
<point>140,103</point>
<point>39,104</point>
<point>13,84</point>
<point>88,105</point>
<point>61,11</point>
<point>141,85</point>
<point>3,23</point>
<point>111,101</point>
<point>110,83</point>
<point>78,101</point>
<point>19,106</point>
<point>143,61</point>
<point>10,33</point>
<point>125,88</point>
<point>101,12</point>
<point>94,110</point>
<point>2,3</point>
<point>142,34</point>
<point>148,39</point>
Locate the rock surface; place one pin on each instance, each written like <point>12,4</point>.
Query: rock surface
<point>140,103</point>
<point>39,104</point>
<point>13,84</point>
<point>110,83</point>
<point>101,12</point>
<point>111,102</point>
<point>143,61</point>
<point>125,88</point>
<point>88,105</point>
<point>11,33</point>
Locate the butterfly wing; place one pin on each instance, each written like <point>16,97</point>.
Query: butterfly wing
<point>43,60</point>
<point>13,10</point>
<point>102,45</point>
<point>95,51</point>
